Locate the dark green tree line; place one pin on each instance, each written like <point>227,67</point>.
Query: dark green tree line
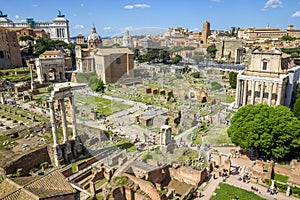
<point>274,131</point>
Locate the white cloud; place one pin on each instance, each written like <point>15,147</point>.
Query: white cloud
<point>35,5</point>
<point>296,14</point>
<point>273,4</point>
<point>81,5</point>
<point>216,1</point>
<point>107,28</point>
<point>78,26</point>
<point>129,7</point>
<point>17,16</point>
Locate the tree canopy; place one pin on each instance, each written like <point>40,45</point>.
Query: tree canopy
<point>176,59</point>
<point>296,106</point>
<point>274,131</point>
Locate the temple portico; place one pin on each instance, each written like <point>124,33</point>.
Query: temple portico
<point>68,149</point>
<point>259,90</point>
<point>270,79</point>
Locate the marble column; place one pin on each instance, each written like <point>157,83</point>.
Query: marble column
<point>279,94</point>
<point>261,96</point>
<point>74,124</point>
<point>270,93</point>
<point>245,92</point>
<point>237,95</point>
<point>253,92</point>
<point>53,124</point>
<point>64,120</point>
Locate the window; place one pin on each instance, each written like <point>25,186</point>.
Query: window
<point>118,60</point>
<point>265,64</point>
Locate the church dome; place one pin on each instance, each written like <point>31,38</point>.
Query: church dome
<point>94,35</point>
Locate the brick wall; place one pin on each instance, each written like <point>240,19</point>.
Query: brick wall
<point>188,175</point>
<point>28,161</point>
<point>145,186</point>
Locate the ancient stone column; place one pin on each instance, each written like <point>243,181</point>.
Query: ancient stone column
<point>270,93</point>
<point>64,120</point>
<point>245,92</point>
<point>74,124</point>
<point>261,97</point>
<point>53,124</point>
<point>237,95</point>
<point>253,92</point>
<point>279,94</point>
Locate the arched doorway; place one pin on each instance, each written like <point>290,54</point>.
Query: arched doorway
<point>52,74</point>
<point>45,78</point>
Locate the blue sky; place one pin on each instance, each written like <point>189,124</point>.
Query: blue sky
<point>112,17</point>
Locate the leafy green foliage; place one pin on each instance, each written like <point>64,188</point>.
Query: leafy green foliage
<point>296,107</point>
<point>287,38</point>
<point>44,44</point>
<point>232,79</point>
<point>25,38</point>
<point>100,86</point>
<point>272,130</point>
<point>90,78</point>
<point>176,59</point>
<point>211,50</point>
<point>196,74</point>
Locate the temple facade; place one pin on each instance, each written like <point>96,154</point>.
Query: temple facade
<point>270,79</point>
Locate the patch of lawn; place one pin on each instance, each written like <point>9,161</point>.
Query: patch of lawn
<point>281,178</point>
<point>228,192</point>
<point>102,106</point>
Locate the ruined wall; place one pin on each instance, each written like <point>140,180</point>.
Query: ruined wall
<point>28,161</point>
<point>145,186</point>
<point>188,175</point>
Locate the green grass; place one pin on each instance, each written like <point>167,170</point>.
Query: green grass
<point>102,106</point>
<point>281,178</point>
<point>230,99</point>
<point>228,192</point>
<point>126,144</point>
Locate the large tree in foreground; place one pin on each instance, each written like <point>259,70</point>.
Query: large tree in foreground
<point>272,130</point>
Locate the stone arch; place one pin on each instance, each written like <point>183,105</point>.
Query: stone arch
<point>52,74</point>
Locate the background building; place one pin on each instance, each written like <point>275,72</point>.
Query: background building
<point>58,29</point>
<point>110,64</point>
<point>10,55</point>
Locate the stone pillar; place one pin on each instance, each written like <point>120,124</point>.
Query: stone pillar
<point>279,94</point>
<point>253,92</point>
<point>270,93</point>
<point>245,92</point>
<point>64,120</point>
<point>237,95</point>
<point>53,124</point>
<point>57,154</point>
<point>74,123</point>
<point>261,96</point>
<point>2,98</point>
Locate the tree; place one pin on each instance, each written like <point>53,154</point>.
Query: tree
<point>211,50</point>
<point>274,131</point>
<point>100,86</point>
<point>232,79</point>
<point>164,56</point>
<point>296,106</point>
<point>176,59</point>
